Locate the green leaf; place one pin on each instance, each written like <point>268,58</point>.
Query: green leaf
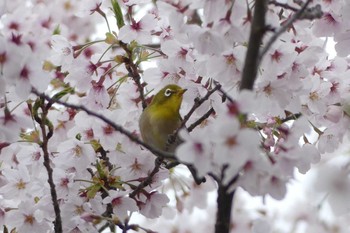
<point>118,13</point>
<point>111,38</point>
<point>95,145</point>
<point>100,170</point>
<point>92,190</point>
<point>57,30</point>
<point>31,136</point>
<point>59,95</point>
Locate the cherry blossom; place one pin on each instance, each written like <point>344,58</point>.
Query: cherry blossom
<point>200,153</point>
<point>75,77</point>
<point>18,182</point>
<point>139,31</point>
<point>62,54</point>
<point>29,217</point>
<point>151,206</point>
<point>121,205</point>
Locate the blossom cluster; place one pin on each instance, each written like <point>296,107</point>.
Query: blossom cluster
<point>52,52</point>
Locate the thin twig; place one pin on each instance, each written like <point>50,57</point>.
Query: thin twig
<point>104,193</point>
<point>232,181</point>
<point>197,103</point>
<point>149,179</point>
<point>224,94</point>
<point>200,120</point>
<point>44,146</point>
<point>283,5</point>
<point>282,29</point>
<point>117,127</point>
<point>134,73</point>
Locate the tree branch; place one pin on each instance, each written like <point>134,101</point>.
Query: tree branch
<point>224,208</point>
<point>197,103</point>
<point>291,117</point>
<point>134,73</point>
<point>200,120</point>
<point>149,179</point>
<point>44,122</point>
<point>224,94</point>
<point>283,5</point>
<point>257,32</point>
<point>303,13</point>
<point>117,127</point>
<point>109,208</point>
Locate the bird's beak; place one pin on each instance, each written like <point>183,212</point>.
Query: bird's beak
<point>181,92</point>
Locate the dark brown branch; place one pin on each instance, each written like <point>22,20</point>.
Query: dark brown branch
<point>109,208</point>
<point>200,120</point>
<point>224,209</point>
<point>197,103</point>
<point>283,5</point>
<point>232,181</point>
<point>149,179</point>
<point>116,127</point>
<point>224,94</point>
<point>44,146</point>
<point>257,32</point>
<point>224,202</point>
<point>291,117</point>
<point>134,73</point>
<point>198,180</point>
<point>300,14</point>
<point>250,69</point>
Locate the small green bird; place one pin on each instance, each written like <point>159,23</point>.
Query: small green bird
<point>161,117</point>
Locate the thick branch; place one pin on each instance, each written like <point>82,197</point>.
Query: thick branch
<point>257,32</point>
<point>224,208</point>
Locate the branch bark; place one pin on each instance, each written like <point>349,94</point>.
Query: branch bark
<point>46,135</point>
<point>257,32</point>
<point>134,73</point>
<point>149,178</point>
<point>224,206</point>
<point>197,103</point>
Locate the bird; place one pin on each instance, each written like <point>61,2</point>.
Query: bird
<point>161,118</point>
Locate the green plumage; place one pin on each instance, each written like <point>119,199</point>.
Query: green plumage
<point>161,117</point>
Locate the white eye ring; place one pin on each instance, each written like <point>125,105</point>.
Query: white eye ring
<point>168,92</point>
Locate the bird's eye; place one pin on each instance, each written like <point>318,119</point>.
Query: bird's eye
<point>168,92</point>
